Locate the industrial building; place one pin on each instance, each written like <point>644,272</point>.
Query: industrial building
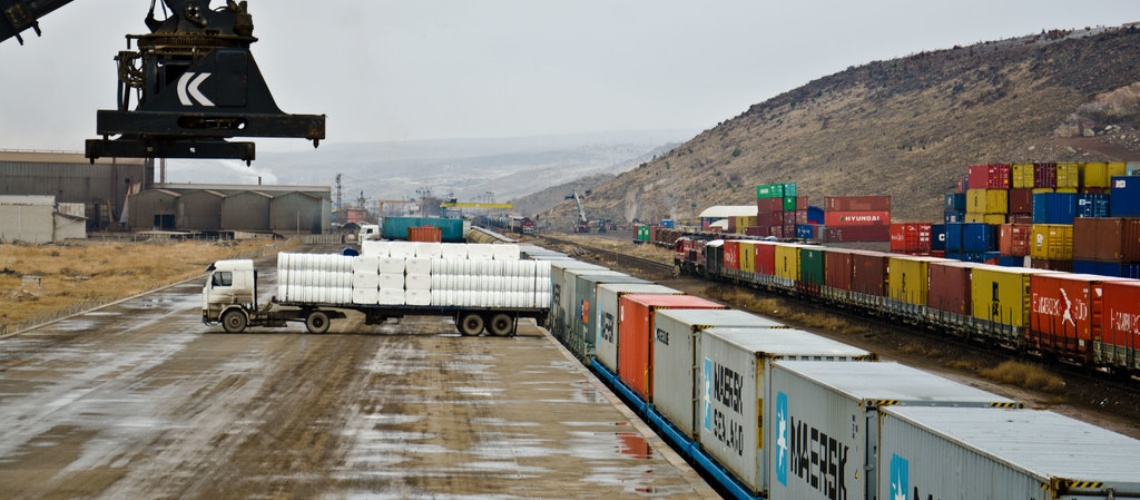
<point>101,187</point>
<point>39,219</point>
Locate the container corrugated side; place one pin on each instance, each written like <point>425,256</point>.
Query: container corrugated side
<point>677,337</point>
<point>1125,196</point>
<point>834,407</point>
<point>1051,242</point>
<point>606,349</point>
<point>908,279</point>
<point>562,294</point>
<point>584,327</point>
<point>876,203</point>
<point>869,274</point>
<point>837,263</point>
<point>1120,327</point>
<point>949,287</point>
<point>812,266</point>
<point>1066,313</point>
<point>734,370</point>
<point>635,336</point>
<point>1001,294</point>
<point>732,255</point>
<point>747,254</point>
<point>990,453</point>
<point>788,262</point>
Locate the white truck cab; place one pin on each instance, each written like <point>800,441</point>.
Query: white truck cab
<point>231,282</point>
<point>369,232</point>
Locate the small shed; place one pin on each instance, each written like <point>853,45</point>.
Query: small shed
<point>246,211</point>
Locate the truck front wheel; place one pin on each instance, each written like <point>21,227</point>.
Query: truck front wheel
<point>470,324</point>
<point>234,321</point>
<point>317,322</point>
<point>501,325</point>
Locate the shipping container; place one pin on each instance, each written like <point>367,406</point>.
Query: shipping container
<point>973,453</point>
<point>790,189</point>
<point>1045,175</point>
<point>766,205</point>
<point>949,287</point>
<point>1066,314</point>
<point>955,202</point>
<point>758,231</point>
<point>976,218</point>
<point>938,237</point>
<point>908,279</point>
<point>994,219</point>
<point>732,255</point>
<point>838,267</point>
<point>910,237</point>
<point>978,237</point>
<point>562,293</point>
<point>1026,219</point>
<point>734,377</point>
<point>1099,175</point>
<point>766,258</point>
<point>812,266</point>
<point>869,272</point>
<point>1013,239</point>
<point>1067,190</point>
<point>774,191</point>
<point>1051,242</point>
<point>1065,266</point>
<point>677,341</point>
<point>1106,240</point>
<point>641,231</point>
<point>987,201</point>
<point>1092,205</point>
<point>835,218</point>
<point>582,339</point>
<point>789,219</point>
<point>635,336</point>
<point>776,231</point>
<point>789,203</point>
<point>801,216</point>
<point>768,219</point>
<point>953,216</point>
<point>989,176</point>
<point>805,231</point>
<point>878,232</point>
<point>1125,197</point>
<point>834,407</point>
<point>1020,201</point>
<point>1068,175</point>
<point>953,233</point>
<point>802,203</point>
<point>747,253</point>
<point>857,204</point>
<point>396,228</point>
<point>787,263</point>
<point>1054,208</point>
<point>425,234</point>
<point>1022,176</point>
<point>1001,294</point>
<point>1120,347</point>
<point>609,298</point>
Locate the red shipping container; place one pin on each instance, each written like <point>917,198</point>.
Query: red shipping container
<point>1021,201</point>
<point>1065,314</point>
<point>837,219</point>
<point>857,233</point>
<point>910,237</point>
<point>425,234</point>
<point>801,203</point>
<point>1044,175</point>
<point>760,231</point>
<point>764,205</point>
<point>869,272</point>
<point>1109,239</point>
<point>801,216</point>
<point>1120,328</point>
<point>949,287</point>
<point>837,266</point>
<point>766,258</point>
<point>636,313</point>
<point>1020,219</point>
<point>989,176</point>
<point>857,204</point>
<point>1013,239</point>
<point>938,253</point>
<point>789,219</point>
<point>777,231</point>
<point>731,227</point>
<point>732,254</point>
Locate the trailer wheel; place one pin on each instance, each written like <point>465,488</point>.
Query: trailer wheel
<point>317,322</point>
<point>470,324</point>
<point>501,325</point>
<point>234,321</point>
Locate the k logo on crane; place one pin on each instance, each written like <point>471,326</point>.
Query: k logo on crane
<point>188,92</point>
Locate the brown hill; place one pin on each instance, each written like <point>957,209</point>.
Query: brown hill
<point>906,127</point>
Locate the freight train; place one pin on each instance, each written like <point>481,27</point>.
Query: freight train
<point>768,411</point>
<point>511,223</point>
<point>1089,320</point>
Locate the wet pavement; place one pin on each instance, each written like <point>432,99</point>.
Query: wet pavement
<point>140,400</point>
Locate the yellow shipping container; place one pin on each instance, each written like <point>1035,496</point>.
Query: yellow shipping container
<point>976,201</point>
<point>748,256</point>
<point>1042,190</point>
<point>1069,175</point>
<point>1023,175</point>
<point>994,219</point>
<point>1001,294</point>
<point>788,261</point>
<point>1099,175</point>
<point>908,279</point>
<point>987,201</point>
<point>1051,241</point>
<point>975,217</point>
<point>1066,190</point>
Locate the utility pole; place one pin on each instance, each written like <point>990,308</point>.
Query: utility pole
<point>340,214</point>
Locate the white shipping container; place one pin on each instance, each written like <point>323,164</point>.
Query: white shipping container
<point>734,376</point>
<point>607,316</point>
<point>978,453</point>
<point>559,317</point>
<point>676,345</point>
<point>834,407</point>
<point>570,307</point>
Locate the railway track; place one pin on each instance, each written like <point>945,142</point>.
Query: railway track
<point>619,258</point>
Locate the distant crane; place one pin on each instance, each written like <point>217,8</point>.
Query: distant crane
<point>583,223</point>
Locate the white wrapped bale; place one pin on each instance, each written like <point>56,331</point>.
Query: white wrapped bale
<point>390,265</point>
<point>373,248</point>
<point>428,250</point>
<point>417,265</point>
<point>402,249</point>
<point>390,282</point>
<point>505,252</point>
<point>417,282</point>
<point>417,297</point>
<point>453,251</point>
<point>390,297</point>
<point>478,251</point>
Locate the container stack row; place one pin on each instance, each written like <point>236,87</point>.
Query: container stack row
<point>779,210</point>
<point>855,218</point>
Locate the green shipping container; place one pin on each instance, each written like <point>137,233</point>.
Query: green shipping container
<point>770,191</point>
<point>789,203</point>
<point>642,233</point>
<point>396,228</point>
<point>811,266</point>
<point>790,189</point>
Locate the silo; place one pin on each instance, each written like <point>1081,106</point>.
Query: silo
<point>246,211</point>
<point>200,210</point>
<point>297,213</point>
<point>153,209</point>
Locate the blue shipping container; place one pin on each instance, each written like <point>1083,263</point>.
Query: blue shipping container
<point>805,231</point>
<point>1054,208</point>
<point>1113,269</point>
<point>1126,196</point>
<point>979,257</point>
<point>1092,205</point>
<point>978,237</point>
<point>1007,261</point>
<point>955,202</point>
<point>953,237</point>
<point>953,216</point>
<point>815,215</point>
<point>938,237</point>
<point>396,228</point>
<point>667,223</point>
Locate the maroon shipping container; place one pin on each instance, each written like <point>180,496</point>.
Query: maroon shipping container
<point>1065,266</point>
<point>857,204</point>
<point>653,230</point>
<point>790,230</point>
<point>765,258</point>
<point>869,272</point>
<point>1013,239</point>
<point>789,219</point>
<point>760,231</point>
<point>770,205</point>
<point>857,233</point>
<point>801,203</point>
<point>837,264</point>
<point>770,219</point>
<point>777,231</point>
<point>731,227</point>
<point>1021,201</point>
<point>636,334</point>
<point>732,255</point>
<point>1044,175</point>
<point>994,176</point>
<point>1066,314</point>
<point>801,216</point>
<point>949,287</point>
<point>1109,239</point>
<point>1120,326</point>
<point>1020,219</point>
<point>1096,191</point>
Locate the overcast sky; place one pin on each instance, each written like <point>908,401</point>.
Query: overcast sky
<point>424,69</point>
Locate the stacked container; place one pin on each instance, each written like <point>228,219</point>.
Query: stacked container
<point>778,210</point>
<point>608,315</point>
<point>636,314</point>
<point>1067,314</point>
<point>1125,197</point>
<point>582,323</point>
<point>857,218</point>
<point>835,407</point>
<point>1107,246</point>
<point>911,238</point>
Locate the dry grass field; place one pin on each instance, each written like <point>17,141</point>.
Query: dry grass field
<point>103,271</point>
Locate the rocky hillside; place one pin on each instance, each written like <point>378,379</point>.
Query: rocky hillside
<point>906,127</point>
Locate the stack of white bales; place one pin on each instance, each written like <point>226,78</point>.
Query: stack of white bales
<point>326,279</point>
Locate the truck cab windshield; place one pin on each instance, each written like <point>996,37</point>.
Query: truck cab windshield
<point>223,278</point>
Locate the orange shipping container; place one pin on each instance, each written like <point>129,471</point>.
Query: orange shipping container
<point>636,313</point>
<point>425,234</point>
<point>1066,314</point>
